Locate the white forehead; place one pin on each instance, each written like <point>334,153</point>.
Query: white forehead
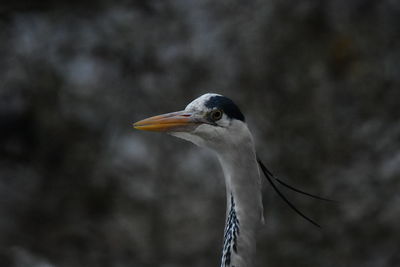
<point>199,103</point>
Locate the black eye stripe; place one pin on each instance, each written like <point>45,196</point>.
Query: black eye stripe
<point>225,104</point>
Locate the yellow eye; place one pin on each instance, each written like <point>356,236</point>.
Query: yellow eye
<point>216,114</point>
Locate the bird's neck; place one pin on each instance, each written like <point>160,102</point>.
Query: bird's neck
<point>244,206</point>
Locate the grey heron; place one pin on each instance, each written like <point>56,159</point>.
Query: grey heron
<point>215,122</point>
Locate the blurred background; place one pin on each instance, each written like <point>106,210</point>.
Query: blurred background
<point>318,82</point>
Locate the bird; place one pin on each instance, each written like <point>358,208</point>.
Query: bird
<point>214,121</point>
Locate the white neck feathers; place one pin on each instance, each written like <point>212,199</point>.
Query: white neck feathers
<point>244,206</point>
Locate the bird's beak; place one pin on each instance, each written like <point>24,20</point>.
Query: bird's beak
<point>170,122</point>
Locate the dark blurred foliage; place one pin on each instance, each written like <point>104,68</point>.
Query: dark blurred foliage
<point>318,82</point>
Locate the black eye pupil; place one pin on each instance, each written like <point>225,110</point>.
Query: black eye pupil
<point>216,115</point>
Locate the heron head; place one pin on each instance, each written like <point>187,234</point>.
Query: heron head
<point>211,120</point>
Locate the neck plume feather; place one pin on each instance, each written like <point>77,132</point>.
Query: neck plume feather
<point>244,208</point>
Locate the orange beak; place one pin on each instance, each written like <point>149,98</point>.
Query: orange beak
<point>175,121</point>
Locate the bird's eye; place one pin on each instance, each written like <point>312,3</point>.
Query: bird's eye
<point>216,114</point>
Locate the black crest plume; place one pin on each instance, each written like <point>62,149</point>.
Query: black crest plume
<point>270,177</point>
